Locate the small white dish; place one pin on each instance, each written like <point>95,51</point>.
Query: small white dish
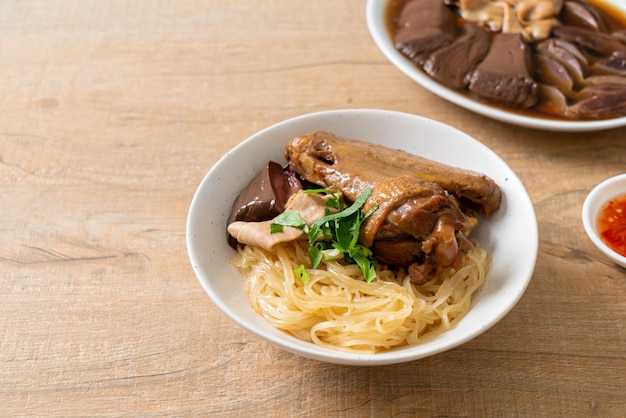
<point>510,235</point>
<point>597,199</point>
<point>376,22</point>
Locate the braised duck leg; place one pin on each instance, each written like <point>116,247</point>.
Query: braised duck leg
<point>419,222</point>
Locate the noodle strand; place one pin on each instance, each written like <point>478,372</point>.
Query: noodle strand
<point>337,309</point>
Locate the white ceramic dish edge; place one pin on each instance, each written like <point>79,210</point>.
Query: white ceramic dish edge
<point>511,271</point>
<point>595,201</point>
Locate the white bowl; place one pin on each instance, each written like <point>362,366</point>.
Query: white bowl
<point>510,235</point>
<point>595,201</point>
<point>375,15</point>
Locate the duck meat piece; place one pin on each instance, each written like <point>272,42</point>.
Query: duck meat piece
<point>504,76</point>
<point>614,64</point>
<point>577,13</point>
<point>419,222</point>
<point>604,80</point>
<point>595,42</point>
<point>475,191</point>
<point>552,100</point>
<point>567,55</point>
<point>620,35</point>
<point>450,65</point>
<point>552,72</point>
<point>611,103</point>
<point>424,27</point>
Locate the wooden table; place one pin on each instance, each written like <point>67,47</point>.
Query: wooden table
<point>111,114</point>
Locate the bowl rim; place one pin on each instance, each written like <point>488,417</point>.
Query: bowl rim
<point>375,18</point>
<point>512,291</point>
<point>594,202</point>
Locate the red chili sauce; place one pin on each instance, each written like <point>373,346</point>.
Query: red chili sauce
<point>612,224</point>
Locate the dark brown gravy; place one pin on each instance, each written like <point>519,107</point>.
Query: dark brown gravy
<point>613,17</point>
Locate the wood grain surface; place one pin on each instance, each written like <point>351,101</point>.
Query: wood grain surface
<point>111,114</point>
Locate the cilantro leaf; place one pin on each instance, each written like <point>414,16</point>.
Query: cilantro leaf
<point>367,266</point>
<point>315,254</point>
<point>342,229</point>
<point>288,218</point>
<point>315,233</point>
<point>356,206</point>
<point>336,233</point>
<point>346,231</point>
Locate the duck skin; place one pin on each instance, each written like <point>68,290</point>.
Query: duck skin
<point>423,219</point>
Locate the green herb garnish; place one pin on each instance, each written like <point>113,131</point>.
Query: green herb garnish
<point>302,274</point>
<point>335,235</point>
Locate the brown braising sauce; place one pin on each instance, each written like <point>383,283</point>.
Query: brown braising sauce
<point>613,17</point>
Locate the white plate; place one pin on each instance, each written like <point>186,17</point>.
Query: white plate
<point>510,235</point>
<point>375,15</point>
